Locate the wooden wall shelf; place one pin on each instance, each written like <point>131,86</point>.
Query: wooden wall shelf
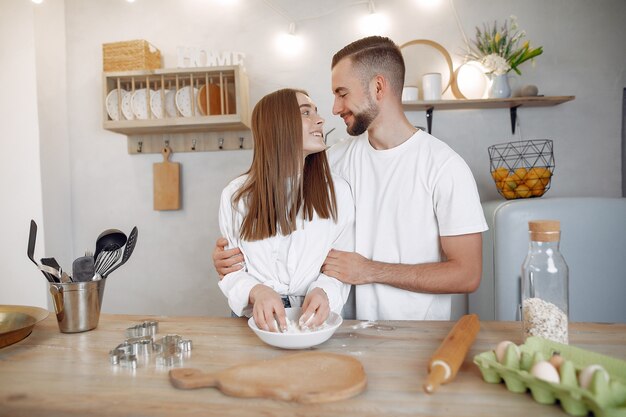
<point>488,103</point>
<point>219,112</point>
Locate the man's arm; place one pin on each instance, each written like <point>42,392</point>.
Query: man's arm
<point>460,272</point>
<point>226,261</point>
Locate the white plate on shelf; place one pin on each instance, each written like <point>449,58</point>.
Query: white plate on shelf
<point>126,107</point>
<point>112,103</point>
<point>156,104</point>
<point>184,98</point>
<point>139,104</point>
<point>170,104</point>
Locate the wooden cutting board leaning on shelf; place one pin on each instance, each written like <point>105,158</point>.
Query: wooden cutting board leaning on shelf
<point>166,183</point>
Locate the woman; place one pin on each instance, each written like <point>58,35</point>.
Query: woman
<point>285,214</point>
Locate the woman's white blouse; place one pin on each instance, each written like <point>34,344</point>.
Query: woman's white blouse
<point>290,265</point>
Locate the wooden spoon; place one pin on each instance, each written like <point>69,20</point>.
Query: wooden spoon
<point>309,377</point>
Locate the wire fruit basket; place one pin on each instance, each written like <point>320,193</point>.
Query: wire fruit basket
<point>522,169</point>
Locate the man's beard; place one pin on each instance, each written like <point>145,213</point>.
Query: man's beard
<point>363,119</point>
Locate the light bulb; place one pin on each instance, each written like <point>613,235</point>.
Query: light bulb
<point>289,44</point>
<point>37,1</point>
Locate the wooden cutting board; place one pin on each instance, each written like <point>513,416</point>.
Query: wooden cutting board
<point>166,183</point>
<point>309,377</point>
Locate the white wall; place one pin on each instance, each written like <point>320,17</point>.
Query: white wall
<point>20,175</point>
<point>171,272</point>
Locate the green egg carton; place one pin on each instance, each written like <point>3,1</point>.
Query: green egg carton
<point>603,398</point>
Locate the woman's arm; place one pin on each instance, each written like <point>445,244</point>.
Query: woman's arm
<point>235,285</point>
<point>334,292</point>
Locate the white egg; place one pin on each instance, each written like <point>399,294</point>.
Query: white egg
<point>501,350</point>
<point>545,371</point>
<point>586,375</point>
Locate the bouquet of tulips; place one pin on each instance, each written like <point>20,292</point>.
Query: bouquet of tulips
<point>502,49</point>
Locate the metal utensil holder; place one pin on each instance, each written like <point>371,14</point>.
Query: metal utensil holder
<point>77,304</point>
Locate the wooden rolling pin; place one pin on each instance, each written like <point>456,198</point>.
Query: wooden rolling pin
<point>447,360</point>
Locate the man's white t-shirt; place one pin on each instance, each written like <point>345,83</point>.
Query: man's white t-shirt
<point>406,198</point>
<point>289,264</point>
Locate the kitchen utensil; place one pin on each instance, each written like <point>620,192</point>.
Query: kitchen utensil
<point>109,240</point>
<point>303,340</point>
<point>51,262</point>
<point>77,304</point>
<point>128,250</point>
<point>446,361</point>
<point>324,377</point>
<point>17,322</point>
<point>106,260</point>
<point>166,182</point>
<point>83,269</point>
<point>30,251</point>
<point>55,269</point>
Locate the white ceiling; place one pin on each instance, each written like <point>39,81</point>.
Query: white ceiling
<point>299,10</point>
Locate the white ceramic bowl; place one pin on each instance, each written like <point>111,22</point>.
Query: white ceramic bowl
<point>297,340</point>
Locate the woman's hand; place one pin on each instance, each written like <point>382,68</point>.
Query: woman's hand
<point>226,261</point>
<point>266,303</point>
<point>315,309</point>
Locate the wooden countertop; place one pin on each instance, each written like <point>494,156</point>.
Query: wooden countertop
<point>55,374</point>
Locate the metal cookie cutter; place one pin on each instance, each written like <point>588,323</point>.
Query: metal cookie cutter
<point>147,328</point>
<point>127,353</point>
<point>122,356</point>
<point>171,350</point>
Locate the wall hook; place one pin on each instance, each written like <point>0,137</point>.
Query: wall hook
<point>193,145</point>
<point>139,146</point>
<point>220,142</point>
<point>240,142</point>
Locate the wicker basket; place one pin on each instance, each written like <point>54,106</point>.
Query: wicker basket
<point>130,55</point>
<point>522,169</point>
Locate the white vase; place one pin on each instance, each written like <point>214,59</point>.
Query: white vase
<point>500,87</point>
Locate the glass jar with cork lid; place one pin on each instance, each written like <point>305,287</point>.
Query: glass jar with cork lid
<point>545,284</point>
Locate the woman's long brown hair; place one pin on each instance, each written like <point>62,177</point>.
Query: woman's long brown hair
<point>278,185</point>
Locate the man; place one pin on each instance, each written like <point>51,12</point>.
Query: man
<point>418,214</point>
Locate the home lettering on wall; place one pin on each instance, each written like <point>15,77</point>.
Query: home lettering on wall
<point>200,57</point>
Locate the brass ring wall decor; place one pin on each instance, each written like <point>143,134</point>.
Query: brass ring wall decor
<point>441,50</point>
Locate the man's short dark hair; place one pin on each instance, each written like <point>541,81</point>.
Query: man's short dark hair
<point>375,55</point>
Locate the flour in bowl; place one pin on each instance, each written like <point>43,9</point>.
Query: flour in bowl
<point>293,326</point>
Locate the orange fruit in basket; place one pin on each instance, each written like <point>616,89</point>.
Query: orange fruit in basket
<point>532,178</point>
<point>519,174</point>
<point>543,173</point>
<point>538,190</point>
<point>510,183</point>
<point>523,191</point>
<point>500,173</point>
<point>508,194</point>
<point>500,185</point>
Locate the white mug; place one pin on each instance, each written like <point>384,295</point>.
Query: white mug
<point>409,93</point>
<point>431,84</point>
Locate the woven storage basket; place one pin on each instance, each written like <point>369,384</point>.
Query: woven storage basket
<point>130,55</point>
